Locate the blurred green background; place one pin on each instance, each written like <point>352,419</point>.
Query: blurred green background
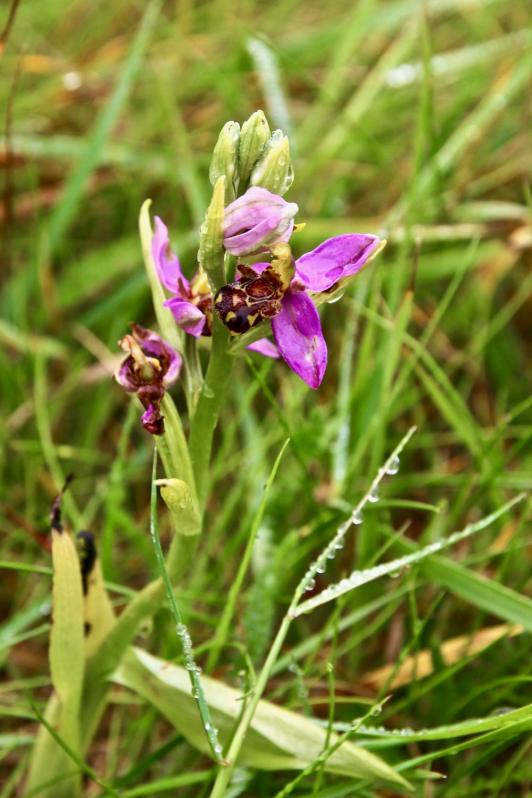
<point>407,119</point>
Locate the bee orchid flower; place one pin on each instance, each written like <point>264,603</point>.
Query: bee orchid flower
<point>295,321</point>
<point>191,301</point>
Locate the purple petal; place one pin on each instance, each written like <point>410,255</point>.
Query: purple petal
<point>253,207</point>
<point>152,420</point>
<point>269,231</point>
<point>338,257</point>
<point>175,361</point>
<point>125,375</point>
<point>166,262</point>
<point>187,315</point>
<point>264,347</point>
<point>297,333</point>
<point>257,219</point>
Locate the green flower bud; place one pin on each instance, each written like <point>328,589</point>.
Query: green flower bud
<point>211,250</point>
<point>224,159</point>
<point>274,169</point>
<point>253,139</point>
<point>180,502</point>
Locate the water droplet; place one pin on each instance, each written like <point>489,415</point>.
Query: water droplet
<point>357,517</point>
<point>373,495</point>
<point>218,750</point>
<point>500,711</point>
<point>208,727</point>
<point>310,584</point>
<point>375,711</point>
<point>331,554</point>
<point>393,466</point>
<point>181,629</point>
<point>395,574</point>
<point>320,569</point>
<point>195,693</point>
<point>338,544</point>
<point>335,298</point>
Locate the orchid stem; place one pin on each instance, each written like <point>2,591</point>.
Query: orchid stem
<point>208,409</point>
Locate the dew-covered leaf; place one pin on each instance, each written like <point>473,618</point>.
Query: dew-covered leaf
<point>277,739</point>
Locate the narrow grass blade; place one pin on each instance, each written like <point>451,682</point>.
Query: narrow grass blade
<point>385,737</point>
<point>389,468</point>
<point>268,71</point>
<point>193,671</point>
<point>359,578</point>
<point>73,191</point>
<point>234,591</point>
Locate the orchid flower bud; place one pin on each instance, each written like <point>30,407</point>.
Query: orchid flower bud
<point>253,139</point>
<point>274,169</point>
<point>211,255</point>
<point>181,503</point>
<point>224,161</point>
<point>256,220</point>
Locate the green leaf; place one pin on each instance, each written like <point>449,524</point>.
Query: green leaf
<point>277,738</point>
<point>67,664</point>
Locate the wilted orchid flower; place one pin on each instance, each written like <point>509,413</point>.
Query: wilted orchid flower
<point>295,321</point>
<point>150,367</point>
<point>256,220</point>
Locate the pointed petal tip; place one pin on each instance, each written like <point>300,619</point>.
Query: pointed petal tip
<point>299,338</point>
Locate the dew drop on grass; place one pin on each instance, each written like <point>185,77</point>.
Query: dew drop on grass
<point>393,467</point>
<point>373,495</point>
<point>357,517</point>
<point>375,711</point>
<point>310,584</point>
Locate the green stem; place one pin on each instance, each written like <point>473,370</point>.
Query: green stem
<point>208,408</point>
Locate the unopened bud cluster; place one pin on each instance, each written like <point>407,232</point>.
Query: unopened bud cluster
<point>252,155</point>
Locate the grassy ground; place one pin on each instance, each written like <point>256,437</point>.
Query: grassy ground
<point>407,119</point>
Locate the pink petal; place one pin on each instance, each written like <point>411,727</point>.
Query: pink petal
<point>166,262</point>
<point>264,347</point>
<point>297,333</point>
<point>187,315</point>
<point>338,257</point>
<point>255,220</point>
<point>253,207</point>
<point>269,231</point>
